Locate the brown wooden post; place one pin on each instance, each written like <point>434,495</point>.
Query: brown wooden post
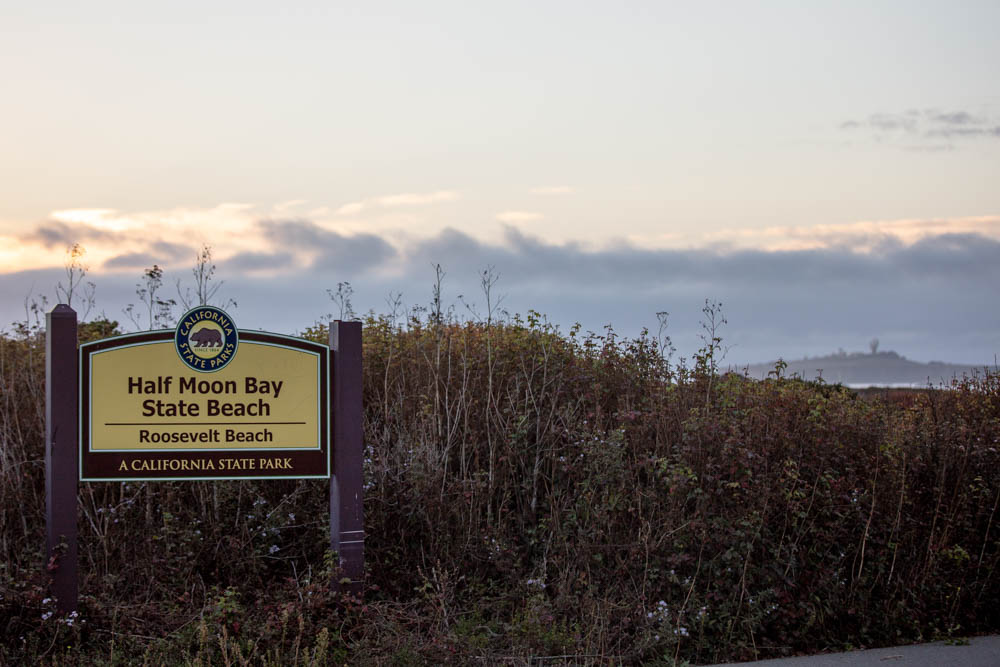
<point>347,530</point>
<point>61,456</point>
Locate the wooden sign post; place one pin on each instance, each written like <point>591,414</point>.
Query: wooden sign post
<point>205,401</point>
<point>347,529</point>
<point>61,468</point>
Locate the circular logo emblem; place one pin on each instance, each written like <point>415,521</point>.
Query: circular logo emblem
<point>206,339</point>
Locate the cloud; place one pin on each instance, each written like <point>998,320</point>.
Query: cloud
<point>552,190</point>
<point>922,286</point>
<point>171,252</point>
<point>83,215</point>
<point>159,252</point>
<point>132,260</point>
<point>906,122</point>
<point>162,253</point>
<point>325,250</point>
<point>260,262</point>
<point>861,237</point>
<point>529,260</point>
<point>519,216</point>
<point>919,295</point>
<point>170,239</point>
<point>403,199</point>
<point>966,256</point>
<point>923,295</point>
<point>58,234</point>
<point>953,118</point>
<point>351,209</point>
<point>284,206</point>
<point>121,241</point>
<point>965,132</point>
<point>926,124</point>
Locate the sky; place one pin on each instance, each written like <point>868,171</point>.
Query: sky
<point>827,171</point>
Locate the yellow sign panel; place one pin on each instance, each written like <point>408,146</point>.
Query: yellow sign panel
<point>142,398</point>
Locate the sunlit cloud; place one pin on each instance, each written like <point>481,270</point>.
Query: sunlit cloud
<point>116,240</point>
<point>859,236</point>
<point>242,237</point>
<point>253,239</point>
<point>862,236</point>
<point>101,218</point>
<point>285,206</point>
<point>16,254</point>
<point>519,216</point>
<point>402,199</point>
<point>353,208</point>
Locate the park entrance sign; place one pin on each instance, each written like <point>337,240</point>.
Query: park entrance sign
<point>205,401</point>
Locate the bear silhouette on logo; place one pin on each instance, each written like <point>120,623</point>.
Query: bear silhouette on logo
<point>206,337</point>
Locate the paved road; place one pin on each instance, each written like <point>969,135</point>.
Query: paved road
<point>979,652</point>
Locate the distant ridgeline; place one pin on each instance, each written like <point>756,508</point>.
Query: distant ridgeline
<point>863,369</point>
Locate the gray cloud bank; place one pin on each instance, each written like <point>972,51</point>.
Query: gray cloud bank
<point>931,300</point>
<point>920,129</point>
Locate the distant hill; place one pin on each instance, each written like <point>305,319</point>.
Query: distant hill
<point>862,369</point>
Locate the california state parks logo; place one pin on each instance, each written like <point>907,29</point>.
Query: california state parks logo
<point>206,339</point>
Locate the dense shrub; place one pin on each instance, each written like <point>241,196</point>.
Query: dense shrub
<point>531,493</point>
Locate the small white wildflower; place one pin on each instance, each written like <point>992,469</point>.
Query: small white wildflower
<point>274,549</point>
<point>47,615</point>
<point>291,517</point>
<point>46,600</point>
